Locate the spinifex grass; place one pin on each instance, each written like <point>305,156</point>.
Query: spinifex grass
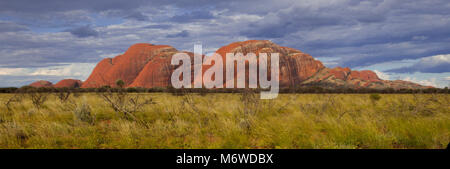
<point>215,121</point>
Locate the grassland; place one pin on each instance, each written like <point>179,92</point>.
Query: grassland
<point>227,121</point>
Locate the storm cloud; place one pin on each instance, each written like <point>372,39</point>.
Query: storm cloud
<point>83,31</point>
<point>354,33</point>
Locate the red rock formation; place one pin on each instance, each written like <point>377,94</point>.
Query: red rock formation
<point>147,65</point>
<point>156,73</point>
<point>69,83</point>
<point>295,66</point>
<point>366,75</point>
<point>125,67</point>
<point>41,83</point>
<point>344,77</point>
<point>340,73</point>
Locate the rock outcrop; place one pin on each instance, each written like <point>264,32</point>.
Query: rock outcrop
<point>346,78</point>
<point>69,83</point>
<point>148,65</point>
<point>295,66</point>
<point>156,73</point>
<point>125,67</point>
<point>41,83</point>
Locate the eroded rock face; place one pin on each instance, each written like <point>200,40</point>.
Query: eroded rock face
<point>124,67</point>
<point>366,75</point>
<point>295,66</point>
<point>41,83</point>
<point>69,83</point>
<point>340,73</point>
<point>346,78</point>
<point>147,65</point>
<point>156,73</point>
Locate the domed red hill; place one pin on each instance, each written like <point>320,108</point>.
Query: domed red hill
<point>69,83</point>
<point>41,83</point>
<point>125,67</point>
<point>295,66</point>
<point>147,65</point>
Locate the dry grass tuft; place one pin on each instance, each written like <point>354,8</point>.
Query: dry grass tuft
<point>227,121</point>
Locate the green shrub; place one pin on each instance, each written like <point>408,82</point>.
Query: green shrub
<point>83,113</point>
<point>375,97</point>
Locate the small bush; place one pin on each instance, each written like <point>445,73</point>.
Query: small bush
<point>250,107</point>
<point>120,83</point>
<point>63,94</point>
<point>38,96</point>
<point>83,113</point>
<point>125,103</point>
<point>16,98</point>
<point>375,97</point>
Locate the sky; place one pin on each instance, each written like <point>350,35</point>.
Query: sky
<point>57,39</point>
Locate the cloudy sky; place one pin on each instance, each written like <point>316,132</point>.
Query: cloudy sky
<point>56,39</point>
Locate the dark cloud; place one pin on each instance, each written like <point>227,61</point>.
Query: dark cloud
<point>352,33</point>
<point>433,64</point>
<point>181,34</point>
<point>357,33</point>
<point>31,6</point>
<point>138,16</point>
<point>62,13</point>
<point>83,32</point>
<point>161,26</point>
<point>12,27</point>
<point>192,16</point>
<point>129,6</point>
<point>361,33</point>
<point>283,23</point>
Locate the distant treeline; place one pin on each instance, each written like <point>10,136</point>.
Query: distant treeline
<point>308,89</point>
